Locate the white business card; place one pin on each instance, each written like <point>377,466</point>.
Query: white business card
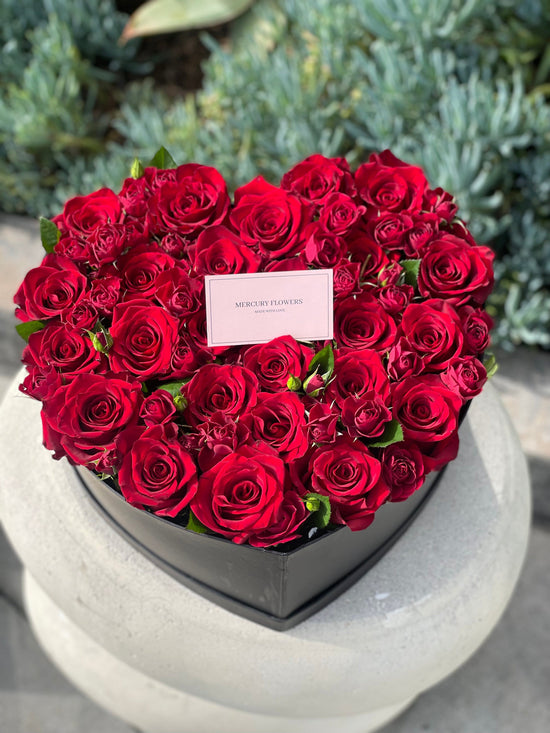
<point>254,308</point>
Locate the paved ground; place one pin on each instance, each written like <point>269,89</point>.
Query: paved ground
<point>504,688</point>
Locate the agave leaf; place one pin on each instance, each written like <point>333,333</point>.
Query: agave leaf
<point>167,16</point>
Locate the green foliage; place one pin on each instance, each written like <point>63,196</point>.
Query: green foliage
<point>460,87</point>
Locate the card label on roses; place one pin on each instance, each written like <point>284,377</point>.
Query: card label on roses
<point>254,308</point>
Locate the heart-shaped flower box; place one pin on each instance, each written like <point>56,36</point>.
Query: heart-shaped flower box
<point>252,468</point>
<point>275,588</point>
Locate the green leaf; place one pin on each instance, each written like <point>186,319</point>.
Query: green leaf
<point>97,343</point>
<point>28,327</point>
<point>294,384</point>
<point>49,234</point>
<point>490,364</point>
<point>393,433</point>
<point>162,159</point>
<point>319,506</point>
<point>137,169</point>
<point>194,525</point>
<point>322,363</point>
<point>174,388</point>
<point>411,268</point>
<point>165,16</point>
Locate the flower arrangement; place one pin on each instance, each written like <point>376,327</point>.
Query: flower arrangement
<point>267,443</point>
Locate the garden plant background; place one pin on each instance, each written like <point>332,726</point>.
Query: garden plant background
<point>460,87</point>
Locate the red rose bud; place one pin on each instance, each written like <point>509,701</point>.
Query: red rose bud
<point>402,470</point>
<point>158,408</point>
<point>465,376</point>
<point>365,416</point>
<point>322,422</point>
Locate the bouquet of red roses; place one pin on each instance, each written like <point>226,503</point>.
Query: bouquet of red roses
<point>257,443</point>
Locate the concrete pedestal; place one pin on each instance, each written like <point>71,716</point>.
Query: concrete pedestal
<point>168,661</point>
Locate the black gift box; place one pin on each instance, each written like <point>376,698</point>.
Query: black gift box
<point>273,587</point>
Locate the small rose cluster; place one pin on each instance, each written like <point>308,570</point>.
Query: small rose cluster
<point>257,443</point>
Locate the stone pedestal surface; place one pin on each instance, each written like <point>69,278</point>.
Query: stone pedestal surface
<point>411,621</point>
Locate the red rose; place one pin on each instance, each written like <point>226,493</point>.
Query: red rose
<point>455,271</point>
<point>105,294</point>
<point>144,337</point>
<point>403,361</point>
<point>428,412</point>
<point>273,363</point>
<point>41,384</point>
<point>82,419</point>
<point>140,269</point>
<point>193,197</point>
<point>362,323</point>
<point>322,423</point>
<point>347,473</point>
<point>365,416</point>
<point>386,183</point>
<point>180,294</point>
<point>287,264</point>
<point>339,213</point>
<point>218,437</point>
<point>476,325</point>
<point>242,494</point>
<point>83,315</point>
<point>82,214</point>
<point>134,196</point>
<point>402,470</point>
<point>106,242</point>
<point>66,349</point>
<point>156,472</point>
<point>175,245</point>
<point>367,253</point>
<point>346,278</point>
<point>285,526</point>
<point>389,229</point>
<point>219,387</point>
<point>434,332</point>
<point>465,376</point>
<point>357,374</point>
<point>269,218</point>
<point>72,248</point>
<point>187,358</point>
<point>219,251</point>
<point>323,249</point>
<point>394,298</point>
<point>50,290</point>
<point>424,228</point>
<point>158,408</point>
<point>316,177</point>
<point>279,420</point>
<point>441,203</point>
